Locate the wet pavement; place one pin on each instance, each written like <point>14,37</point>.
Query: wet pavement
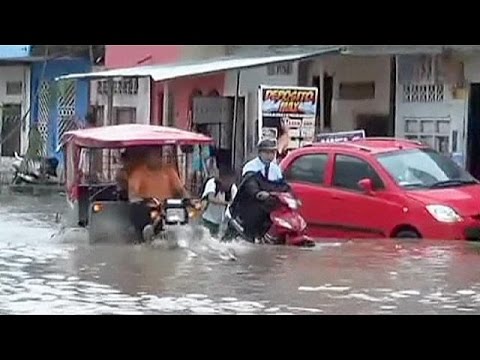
<point>45,269</point>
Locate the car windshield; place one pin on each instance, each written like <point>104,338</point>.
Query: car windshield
<point>424,169</point>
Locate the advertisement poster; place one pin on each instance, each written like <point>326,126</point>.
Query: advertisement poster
<point>288,110</point>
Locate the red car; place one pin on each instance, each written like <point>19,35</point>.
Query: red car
<point>383,188</point>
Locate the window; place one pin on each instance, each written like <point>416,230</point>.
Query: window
<point>125,115</point>
<point>308,169</point>
<point>280,69</point>
<point>14,87</point>
<point>350,170</point>
<point>98,112</point>
<point>422,169</point>
<point>196,93</point>
<point>357,91</point>
<point>418,93</point>
<point>123,87</point>
<point>10,129</point>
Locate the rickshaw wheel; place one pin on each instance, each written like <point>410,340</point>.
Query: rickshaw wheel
<point>171,238</point>
<point>148,233</point>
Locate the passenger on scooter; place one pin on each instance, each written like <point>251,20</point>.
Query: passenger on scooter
<point>217,194</point>
<point>261,176</point>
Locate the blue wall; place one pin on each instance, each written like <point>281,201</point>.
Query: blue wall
<point>14,51</point>
<point>54,69</point>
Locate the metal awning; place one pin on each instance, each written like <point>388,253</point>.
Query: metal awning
<point>203,67</point>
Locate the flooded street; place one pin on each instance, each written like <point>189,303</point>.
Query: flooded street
<point>44,272</point>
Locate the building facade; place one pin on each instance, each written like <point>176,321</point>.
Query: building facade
<point>131,101</point>
<point>177,94</point>
<point>14,98</point>
<point>14,109</point>
<point>15,78</point>
<point>57,107</point>
<point>425,92</point>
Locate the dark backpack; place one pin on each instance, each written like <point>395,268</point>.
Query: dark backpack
<point>218,186</point>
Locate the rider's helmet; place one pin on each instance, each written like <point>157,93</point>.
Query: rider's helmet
<point>267,145</point>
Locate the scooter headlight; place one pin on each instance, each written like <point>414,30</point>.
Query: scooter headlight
<point>154,214</point>
<point>292,203</point>
<point>303,224</point>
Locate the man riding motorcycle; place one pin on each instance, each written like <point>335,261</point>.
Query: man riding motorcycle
<point>150,179</point>
<point>253,203</point>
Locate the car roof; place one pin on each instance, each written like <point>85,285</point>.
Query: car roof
<point>373,146</point>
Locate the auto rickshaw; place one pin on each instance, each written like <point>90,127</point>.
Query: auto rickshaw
<point>101,205</point>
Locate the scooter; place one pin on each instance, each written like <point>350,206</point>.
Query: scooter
<point>287,225</point>
<point>39,172</point>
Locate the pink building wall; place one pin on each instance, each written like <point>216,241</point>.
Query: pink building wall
<point>182,90</point>
<point>119,56</point>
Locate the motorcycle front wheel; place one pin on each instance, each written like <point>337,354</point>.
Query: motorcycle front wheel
<point>148,234</point>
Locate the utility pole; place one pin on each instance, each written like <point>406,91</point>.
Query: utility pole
<point>92,56</point>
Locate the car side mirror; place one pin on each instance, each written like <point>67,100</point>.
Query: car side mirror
<point>367,186</point>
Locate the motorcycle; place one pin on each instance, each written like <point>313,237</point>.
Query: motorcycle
<point>287,225</point>
<point>152,217</point>
<point>34,172</point>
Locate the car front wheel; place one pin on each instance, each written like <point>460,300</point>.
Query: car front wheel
<point>407,234</point>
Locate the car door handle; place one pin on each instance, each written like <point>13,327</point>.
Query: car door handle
<point>336,197</point>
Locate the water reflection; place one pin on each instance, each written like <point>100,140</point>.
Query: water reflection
<point>45,274</point>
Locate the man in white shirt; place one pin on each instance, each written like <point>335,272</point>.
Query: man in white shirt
<point>265,163</point>
<point>260,176</point>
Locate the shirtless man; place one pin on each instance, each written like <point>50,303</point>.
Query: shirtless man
<point>155,178</point>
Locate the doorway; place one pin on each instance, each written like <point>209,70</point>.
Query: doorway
<point>238,144</point>
<point>327,101</point>
<point>213,116</point>
<point>11,129</point>
<point>160,108</point>
<point>473,132</point>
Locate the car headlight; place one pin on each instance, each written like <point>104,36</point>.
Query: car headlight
<point>444,214</point>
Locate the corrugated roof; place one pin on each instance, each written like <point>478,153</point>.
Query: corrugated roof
<point>203,67</point>
<point>360,50</point>
<point>407,49</point>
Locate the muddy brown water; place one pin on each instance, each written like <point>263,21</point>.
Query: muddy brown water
<point>46,270</point>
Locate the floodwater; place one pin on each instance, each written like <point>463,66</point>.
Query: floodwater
<point>47,270</point>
